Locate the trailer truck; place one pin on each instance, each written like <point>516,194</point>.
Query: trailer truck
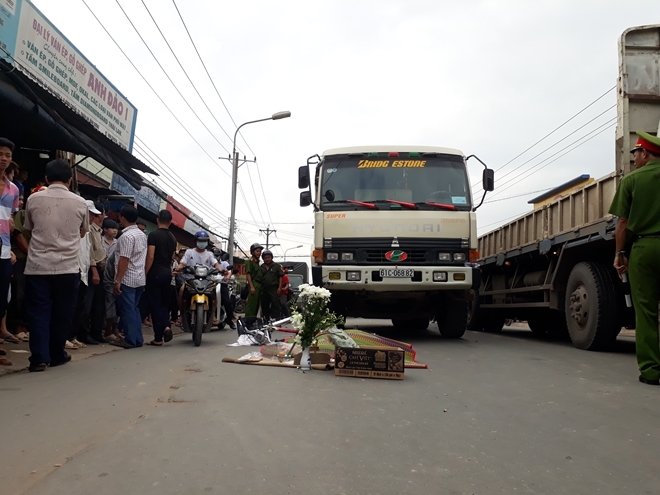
<point>395,233</point>
<point>553,266</point>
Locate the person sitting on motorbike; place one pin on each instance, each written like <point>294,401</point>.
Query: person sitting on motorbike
<point>199,255</point>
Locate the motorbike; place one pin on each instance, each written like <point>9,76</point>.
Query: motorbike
<point>201,285</point>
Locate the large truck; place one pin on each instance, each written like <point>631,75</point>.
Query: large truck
<point>395,233</point>
<point>553,267</point>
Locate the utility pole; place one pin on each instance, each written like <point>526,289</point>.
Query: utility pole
<point>234,179</point>
<point>268,231</point>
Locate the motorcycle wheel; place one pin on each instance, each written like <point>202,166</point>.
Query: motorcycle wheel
<point>199,326</point>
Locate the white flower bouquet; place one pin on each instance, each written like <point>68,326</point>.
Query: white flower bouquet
<point>313,318</point>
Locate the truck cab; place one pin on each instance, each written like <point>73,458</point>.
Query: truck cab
<point>395,233</point>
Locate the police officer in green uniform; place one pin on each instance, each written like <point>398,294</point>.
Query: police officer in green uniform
<point>637,204</point>
<point>271,285</point>
<point>253,276</point>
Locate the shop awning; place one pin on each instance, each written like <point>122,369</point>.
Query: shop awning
<point>32,117</point>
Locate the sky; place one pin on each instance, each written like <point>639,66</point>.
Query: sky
<point>490,78</point>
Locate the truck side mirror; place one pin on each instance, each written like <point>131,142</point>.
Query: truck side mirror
<point>305,198</point>
<point>488,180</point>
<point>303,178</point>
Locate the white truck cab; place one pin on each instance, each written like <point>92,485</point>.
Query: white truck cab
<point>395,233</point>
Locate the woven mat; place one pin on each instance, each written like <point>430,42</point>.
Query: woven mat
<point>372,339</point>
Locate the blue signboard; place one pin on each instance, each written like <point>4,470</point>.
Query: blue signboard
<point>145,197</point>
<point>10,13</point>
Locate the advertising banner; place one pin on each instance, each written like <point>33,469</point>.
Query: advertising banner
<point>44,53</point>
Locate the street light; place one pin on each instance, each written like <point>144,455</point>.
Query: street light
<point>296,247</point>
<point>234,180</point>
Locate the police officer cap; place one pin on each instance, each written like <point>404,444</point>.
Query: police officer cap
<point>254,247</point>
<point>267,252</point>
<point>647,142</point>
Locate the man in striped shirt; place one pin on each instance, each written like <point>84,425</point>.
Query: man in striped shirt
<point>130,277</point>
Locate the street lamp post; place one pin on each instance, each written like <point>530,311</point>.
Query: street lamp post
<point>296,247</point>
<point>234,180</point>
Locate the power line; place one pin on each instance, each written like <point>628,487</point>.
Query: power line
<point>502,220</point>
<point>152,88</point>
<point>282,223</point>
<point>517,195</point>
<point>168,77</point>
<point>209,75</point>
<point>558,127</point>
<point>199,56</point>
<point>170,183</point>
<point>550,147</point>
<point>607,125</point>
<point>184,70</point>
<point>181,183</point>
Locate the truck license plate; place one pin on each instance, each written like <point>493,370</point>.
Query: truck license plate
<point>390,273</point>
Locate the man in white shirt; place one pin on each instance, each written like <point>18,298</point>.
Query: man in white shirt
<point>199,256</point>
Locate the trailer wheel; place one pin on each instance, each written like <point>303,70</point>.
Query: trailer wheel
<point>492,321</point>
<point>591,307</point>
<point>452,320</point>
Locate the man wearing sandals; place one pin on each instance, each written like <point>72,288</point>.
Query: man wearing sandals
<point>161,247</point>
<point>58,220</point>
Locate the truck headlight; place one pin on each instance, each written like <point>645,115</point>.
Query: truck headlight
<point>347,256</point>
<point>332,256</point>
<point>459,256</point>
<point>444,257</point>
<point>353,276</point>
<point>439,276</point>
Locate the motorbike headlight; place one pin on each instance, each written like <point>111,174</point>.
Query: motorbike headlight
<point>201,271</point>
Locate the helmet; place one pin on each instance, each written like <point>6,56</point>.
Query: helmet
<point>201,235</point>
<point>254,247</point>
<point>267,252</point>
<point>217,252</point>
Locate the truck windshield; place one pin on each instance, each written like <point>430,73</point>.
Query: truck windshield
<point>419,180</point>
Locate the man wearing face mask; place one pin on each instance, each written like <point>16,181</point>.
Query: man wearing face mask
<point>199,256</point>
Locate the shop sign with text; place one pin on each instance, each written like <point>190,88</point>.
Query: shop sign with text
<point>44,53</point>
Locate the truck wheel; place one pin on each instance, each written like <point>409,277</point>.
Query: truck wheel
<point>591,307</point>
<point>410,324</point>
<point>452,321</point>
<point>474,318</point>
<point>492,322</point>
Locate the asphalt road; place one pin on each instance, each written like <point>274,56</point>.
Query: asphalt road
<point>497,414</point>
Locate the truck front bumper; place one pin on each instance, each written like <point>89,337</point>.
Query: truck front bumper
<point>338,278</point>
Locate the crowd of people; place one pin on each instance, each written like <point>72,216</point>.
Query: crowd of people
<point>76,278</point>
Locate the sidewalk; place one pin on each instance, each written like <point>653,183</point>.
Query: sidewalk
<point>18,354</point>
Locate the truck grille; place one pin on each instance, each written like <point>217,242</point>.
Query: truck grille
<point>378,255</point>
<point>372,250</point>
